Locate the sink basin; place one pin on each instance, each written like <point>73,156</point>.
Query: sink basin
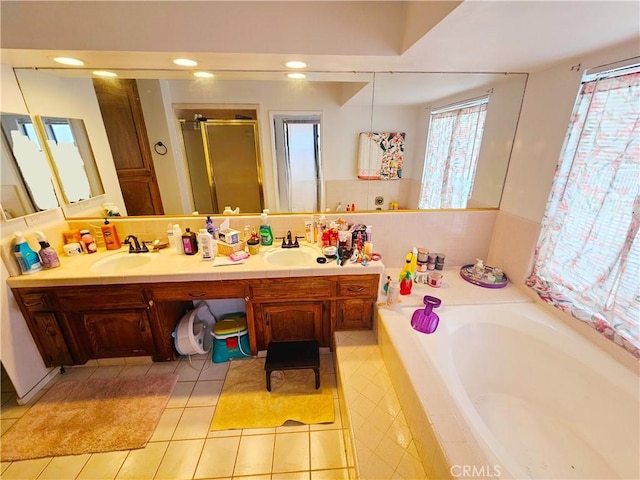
<point>122,262</point>
<point>292,257</point>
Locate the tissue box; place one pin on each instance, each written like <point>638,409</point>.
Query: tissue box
<point>229,236</point>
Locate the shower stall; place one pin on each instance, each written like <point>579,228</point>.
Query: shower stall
<point>223,159</point>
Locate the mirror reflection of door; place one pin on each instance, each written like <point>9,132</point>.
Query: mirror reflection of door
<point>223,158</point>
<point>297,147</point>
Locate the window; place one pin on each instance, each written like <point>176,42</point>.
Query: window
<point>588,255</point>
<point>453,145</point>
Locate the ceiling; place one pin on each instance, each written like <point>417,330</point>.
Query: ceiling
<point>431,36</point>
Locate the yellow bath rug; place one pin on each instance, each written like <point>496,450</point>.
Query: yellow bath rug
<point>90,416</point>
<point>246,403</point>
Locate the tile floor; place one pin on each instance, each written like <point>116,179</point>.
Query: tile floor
<point>182,447</point>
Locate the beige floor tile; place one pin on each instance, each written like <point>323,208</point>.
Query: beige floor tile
<point>194,423</point>
<point>218,457</point>
<point>189,372</point>
<point>11,409</point>
<point>180,460</point>
<point>5,396</point>
<point>334,474</point>
<point>5,423</point>
<point>103,466</point>
<point>390,452</point>
<point>291,452</point>
<point>143,463</point>
<point>158,368</point>
<point>224,433</point>
<point>181,393</point>
<point>214,371</point>
<point>25,469</point>
<point>255,455</point>
<point>291,476</point>
<point>205,393</point>
<point>291,426</point>
<point>110,362</point>
<point>68,466</point>
<point>253,477</point>
<point>4,466</point>
<point>75,373</point>
<point>138,361</point>
<point>258,431</point>
<point>410,467</point>
<point>376,468</point>
<point>327,450</point>
<point>167,424</point>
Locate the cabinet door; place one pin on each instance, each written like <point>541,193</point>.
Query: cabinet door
<point>54,350</point>
<point>292,321</point>
<point>354,314</point>
<point>104,334</point>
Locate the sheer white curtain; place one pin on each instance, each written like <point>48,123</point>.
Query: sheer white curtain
<point>453,146</point>
<point>588,255</point>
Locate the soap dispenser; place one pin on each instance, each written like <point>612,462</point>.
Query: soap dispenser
<point>266,235</point>
<point>110,235</point>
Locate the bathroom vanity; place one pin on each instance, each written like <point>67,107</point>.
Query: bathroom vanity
<point>75,315</point>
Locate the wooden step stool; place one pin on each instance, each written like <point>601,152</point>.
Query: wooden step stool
<point>293,355</point>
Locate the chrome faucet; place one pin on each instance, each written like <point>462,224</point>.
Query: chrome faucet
<point>135,246</point>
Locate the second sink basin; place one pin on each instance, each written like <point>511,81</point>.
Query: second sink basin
<point>292,257</point>
<point>122,262</point>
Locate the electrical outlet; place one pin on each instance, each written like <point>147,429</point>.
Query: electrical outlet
<point>379,200</point>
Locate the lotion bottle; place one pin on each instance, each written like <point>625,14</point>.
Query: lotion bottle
<point>177,238</point>
<point>48,256</point>
<point>206,245</point>
<point>110,235</point>
<point>27,258</point>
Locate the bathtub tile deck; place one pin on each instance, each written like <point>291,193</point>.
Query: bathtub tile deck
<point>384,447</point>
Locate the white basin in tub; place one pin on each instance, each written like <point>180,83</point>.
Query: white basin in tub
<point>520,390</point>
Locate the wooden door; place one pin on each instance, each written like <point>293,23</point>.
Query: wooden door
<point>124,122</point>
<point>54,348</point>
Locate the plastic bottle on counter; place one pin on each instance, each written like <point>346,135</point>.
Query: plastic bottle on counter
<point>189,242</point>
<point>266,235</point>
<point>170,238</point>
<point>177,238</point>
<point>27,257</point>
<point>206,245</point>
<point>110,235</point>
<point>48,255</point>
<point>88,242</point>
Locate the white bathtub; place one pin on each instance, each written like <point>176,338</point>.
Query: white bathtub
<point>509,390</point>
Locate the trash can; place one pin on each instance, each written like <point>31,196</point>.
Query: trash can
<point>230,338</point>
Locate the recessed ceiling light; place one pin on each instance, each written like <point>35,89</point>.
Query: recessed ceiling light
<point>104,73</point>
<point>203,74</point>
<point>295,64</point>
<point>296,75</point>
<point>69,61</point>
<point>185,62</point>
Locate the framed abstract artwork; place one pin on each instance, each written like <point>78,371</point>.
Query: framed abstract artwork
<point>380,155</point>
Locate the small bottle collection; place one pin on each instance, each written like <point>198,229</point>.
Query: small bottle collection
<point>420,266</point>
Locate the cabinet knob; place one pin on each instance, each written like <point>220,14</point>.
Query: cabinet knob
<point>150,304</point>
<point>246,299</point>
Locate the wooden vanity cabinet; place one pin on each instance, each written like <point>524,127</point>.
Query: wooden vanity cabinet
<point>39,310</point>
<point>108,322</point>
<point>355,300</point>
<point>73,324</point>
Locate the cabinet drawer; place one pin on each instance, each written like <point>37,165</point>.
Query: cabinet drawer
<point>357,287</point>
<point>37,301</point>
<point>198,290</point>
<point>106,297</point>
<point>292,288</point>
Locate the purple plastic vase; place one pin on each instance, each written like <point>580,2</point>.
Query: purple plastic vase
<point>425,320</point>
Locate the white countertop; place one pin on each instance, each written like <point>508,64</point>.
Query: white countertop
<point>455,291</point>
<point>169,266</point>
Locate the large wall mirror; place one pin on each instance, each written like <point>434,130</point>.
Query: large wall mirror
<point>317,121</point>
<point>26,177</point>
